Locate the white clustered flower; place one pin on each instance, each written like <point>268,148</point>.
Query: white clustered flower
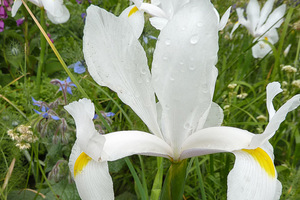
<point>242,95</point>
<point>226,107</point>
<point>22,146</point>
<point>284,83</point>
<point>289,69</point>
<point>232,85</point>
<point>296,83</point>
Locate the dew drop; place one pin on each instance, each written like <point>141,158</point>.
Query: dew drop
<point>205,88</point>
<point>167,107</point>
<point>183,28</point>
<point>199,24</point>
<point>165,58</point>
<point>187,126</point>
<point>194,39</point>
<point>168,42</point>
<point>172,78</point>
<point>192,67</point>
<point>143,71</point>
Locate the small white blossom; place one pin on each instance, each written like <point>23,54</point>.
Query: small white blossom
<point>296,83</point>
<point>262,118</point>
<point>242,95</point>
<point>289,69</point>
<point>232,85</point>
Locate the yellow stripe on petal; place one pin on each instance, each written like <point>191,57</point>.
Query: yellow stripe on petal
<point>263,159</point>
<point>132,11</point>
<point>80,163</point>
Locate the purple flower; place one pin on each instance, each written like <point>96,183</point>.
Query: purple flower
<point>1,26</point>
<point>50,37</point>
<point>65,85</point>
<point>20,21</point>
<point>79,68</point>
<point>3,14</point>
<point>79,2</point>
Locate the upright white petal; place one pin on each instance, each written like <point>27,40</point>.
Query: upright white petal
<point>17,4</point>
<point>183,71</point>
<point>275,122</point>
<point>274,20</point>
<point>224,19</point>
<point>126,143</point>
<point>135,18</point>
<point>89,140</point>
<point>92,178</point>
<point>253,176</point>
<point>265,11</point>
<point>116,59</point>
<point>215,116</point>
<point>56,11</point>
<point>272,90</point>
<point>253,13</point>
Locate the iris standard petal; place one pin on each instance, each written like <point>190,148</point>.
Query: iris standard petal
<point>89,140</point>
<point>17,4</point>
<point>183,70</point>
<point>126,143</point>
<point>253,13</point>
<point>224,19</point>
<point>274,20</point>
<point>92,178</point>
<point>265,11</point>
<point>253,176</point>
<point>275,122</point>
<point>215,140</point>
<point>116,59</point>
<point>215,116</point>
<point>135,18</point>
<point>272,90</point>
<point>56,11</point>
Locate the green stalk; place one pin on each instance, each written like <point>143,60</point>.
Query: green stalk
<point>144,182</point>
<point>157,184</point>
<point>200,179</point>
<point>136,179</point>
<point>173,187</point>
<point>42,54</point>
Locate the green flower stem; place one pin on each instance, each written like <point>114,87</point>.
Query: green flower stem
<point>42,54</point>
<point>136,179</point>
<point>156,188</point>
<point>173,187</point>
<point>200,179</point>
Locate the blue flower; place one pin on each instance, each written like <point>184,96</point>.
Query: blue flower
<point>78,67</point>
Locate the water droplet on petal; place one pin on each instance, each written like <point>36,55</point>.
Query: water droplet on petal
<point>204,88</point>
<point>187,126</point>
<point>143,71</point>
<point>199,24</point>
<point>194,39</point>
<point>165,58</point>
<point>192,67</point>
<point>172,78</point>
<point>168,42</point>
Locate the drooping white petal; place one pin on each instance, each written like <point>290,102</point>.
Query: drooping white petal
<point>183,71</point>
<point>92,178</point>
<point>126,143</point>
<point>17,4</point>
<point>214,140</point>
<point>116,59</point>
<point>37,2</point>
<point>260,49</point>
<point>89,140</point>
<point>275,122</point>
<point>265,11</point>
<point>274,20</point>
<point>135,18</point>
<point>253,13</point>
<point>224,19</point>
<point>272,90</point>
<point>57,12</point>
<point>158,22</point>
<point>153,10</point>
<point>253,176</point>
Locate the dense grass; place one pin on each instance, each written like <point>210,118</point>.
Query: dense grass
<point>42,169</point>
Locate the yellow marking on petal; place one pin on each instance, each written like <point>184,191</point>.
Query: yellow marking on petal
<point>132,11</point>
<point>80,163</point>
<point>263,159</point>
<point>266,38</point>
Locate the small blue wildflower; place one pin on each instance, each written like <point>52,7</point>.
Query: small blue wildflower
<point>46,115</point>
<point>104,114</point>
<point>64,85</point>
<point>79,68</point>
<point>146,37</point>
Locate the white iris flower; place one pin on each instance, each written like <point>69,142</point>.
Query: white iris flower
<point>261,25</point>
<point>57,12</point>
<point>184,122</point>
